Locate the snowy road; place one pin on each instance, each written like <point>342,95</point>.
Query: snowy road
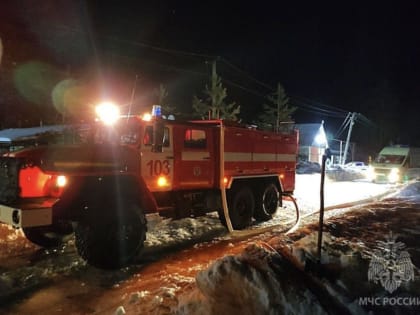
<point>34,281</point>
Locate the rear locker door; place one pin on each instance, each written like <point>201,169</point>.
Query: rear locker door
<point>195,162</point>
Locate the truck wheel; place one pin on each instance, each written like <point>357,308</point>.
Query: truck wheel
<point>267,203</point>
<point>113,240</point>
<point>241,204</point>
<point>49,236</point>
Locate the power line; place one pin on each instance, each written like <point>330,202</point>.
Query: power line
<point>142,44</point>
<point>315,109</point>
<point>323,109</point>
<point>247,74</point>
<point>304,99</point>
<point>343,126</point>
<point>243,88</point>
<point>366,121</point>
<point>336,112</point>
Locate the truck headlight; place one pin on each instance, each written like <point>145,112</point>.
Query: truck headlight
<point>61,181</point>
<point>394,175</point>
<point>56,185</point>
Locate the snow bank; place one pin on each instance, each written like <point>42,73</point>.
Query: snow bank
<point>411,192</point>
<point>255,282</point>
<point>167,233</point>
<point>289,280</point>
<point>346,174</point>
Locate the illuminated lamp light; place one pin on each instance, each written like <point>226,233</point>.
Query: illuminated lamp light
<point>394,175</point>
<point>108,113</point>
<point>61,181</point>
<point>282,176</point>
<point>147,117</point>
<point>55,186</point>
<point>225,181</point>
<point>320,139</point>
<point>35,183</point>
<point>162,181</point>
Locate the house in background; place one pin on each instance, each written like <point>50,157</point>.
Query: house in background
<point>312,142</point>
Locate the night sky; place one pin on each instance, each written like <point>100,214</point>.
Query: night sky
<point>331,59</point>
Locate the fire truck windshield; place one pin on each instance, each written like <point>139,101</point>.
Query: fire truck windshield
<point>124,132</point>
<point>390,159</point>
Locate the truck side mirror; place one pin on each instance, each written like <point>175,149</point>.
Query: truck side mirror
<point>158,136</point>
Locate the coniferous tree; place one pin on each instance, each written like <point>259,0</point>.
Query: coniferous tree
<point>214,106</point>
<point>277,109</point>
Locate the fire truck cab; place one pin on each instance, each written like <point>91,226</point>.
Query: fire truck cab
<point>103,188</point>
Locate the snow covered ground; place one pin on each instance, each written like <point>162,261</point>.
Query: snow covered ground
<point>277,275</point>
<point>221,273</point>
<point>167,232</point>
<point>248,278</point>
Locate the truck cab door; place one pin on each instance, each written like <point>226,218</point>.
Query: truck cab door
<point>157,165</point>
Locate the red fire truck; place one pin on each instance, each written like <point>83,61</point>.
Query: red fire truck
<point>102,189</point>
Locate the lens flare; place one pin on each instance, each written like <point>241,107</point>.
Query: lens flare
<point>35,81</point>
<point>71,97</point>
<point>108,112</point>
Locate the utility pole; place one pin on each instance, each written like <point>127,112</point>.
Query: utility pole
<point>214,114</point>
<point>346,148</point>
<point>1,50</point>
<point>133,92</point>
<point>278,107</point>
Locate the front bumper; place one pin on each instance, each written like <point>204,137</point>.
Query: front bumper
<point>30,216</point>
<point>387,175</point>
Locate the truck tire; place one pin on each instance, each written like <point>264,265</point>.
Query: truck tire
<point>113,240</point>
<point>49,236</point>
<point>241,203</point>
<point>267,203</point>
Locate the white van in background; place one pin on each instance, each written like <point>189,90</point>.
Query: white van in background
<point>395,164</point>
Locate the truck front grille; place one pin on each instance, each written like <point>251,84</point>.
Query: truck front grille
<point>9,179</point>
<point>382,174</point>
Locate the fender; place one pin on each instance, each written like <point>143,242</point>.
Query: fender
<point>87,192</point>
